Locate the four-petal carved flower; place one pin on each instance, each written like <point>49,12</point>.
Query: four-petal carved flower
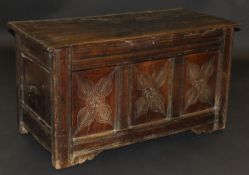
<point>198,76</point>
<point>95,106</point>
<point>151,98</point>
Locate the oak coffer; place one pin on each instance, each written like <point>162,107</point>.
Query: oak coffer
<point>89,84</point>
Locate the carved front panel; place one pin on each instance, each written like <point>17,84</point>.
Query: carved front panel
<point>93,101</point>
<point>200,81</point>
<point>150,91</point>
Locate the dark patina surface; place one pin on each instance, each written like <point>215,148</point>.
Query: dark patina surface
<point>95,83</point>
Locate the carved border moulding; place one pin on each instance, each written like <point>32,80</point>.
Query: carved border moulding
<point>199,76</point>
<point>149,85</point>
<point>94,96</point>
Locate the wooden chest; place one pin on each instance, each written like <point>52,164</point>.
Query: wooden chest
<point>95,83</point>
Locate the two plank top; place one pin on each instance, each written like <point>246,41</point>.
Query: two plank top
<point>56,33</point>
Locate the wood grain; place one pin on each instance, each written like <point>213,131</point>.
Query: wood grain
<point>85,85</point>
<point>73,31</point>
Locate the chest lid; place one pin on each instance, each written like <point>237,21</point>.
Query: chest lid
<point>57,33</point>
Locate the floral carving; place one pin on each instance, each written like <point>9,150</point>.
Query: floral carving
<point>95,106</point>
<point>198,76</point>
<point>151,98</point>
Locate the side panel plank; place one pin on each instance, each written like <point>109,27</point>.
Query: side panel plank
<point>19,86</point>
<point>225,78</point>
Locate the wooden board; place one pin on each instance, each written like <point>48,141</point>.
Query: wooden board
<point>90,84</point>
<point>57,33</point>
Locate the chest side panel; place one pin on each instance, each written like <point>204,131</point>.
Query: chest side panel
<point>36,79</point>
<point>34,89</point>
